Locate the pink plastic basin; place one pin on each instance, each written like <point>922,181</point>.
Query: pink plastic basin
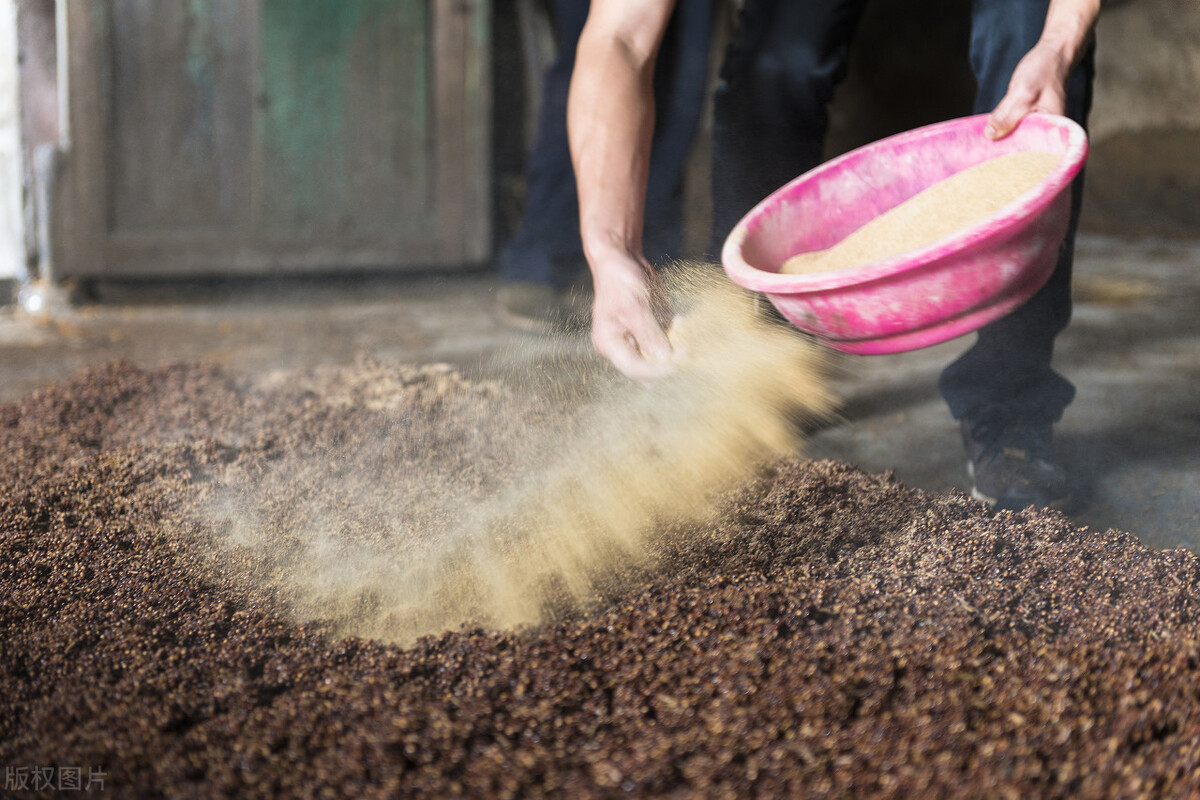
<point>925,296</point>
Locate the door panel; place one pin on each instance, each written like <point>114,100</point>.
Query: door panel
<point>244,136</point>
<point>180,115</point>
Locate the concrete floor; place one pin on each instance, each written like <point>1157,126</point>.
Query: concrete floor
<point>1132,437</point>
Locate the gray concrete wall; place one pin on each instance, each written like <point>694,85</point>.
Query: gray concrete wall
<point>1144,170</point>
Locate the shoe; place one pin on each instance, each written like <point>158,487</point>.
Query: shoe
<point>1010,467</point>
<point>538,308</point>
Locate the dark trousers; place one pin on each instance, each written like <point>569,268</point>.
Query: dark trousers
<point>546,247</point>
<point>771,117</point>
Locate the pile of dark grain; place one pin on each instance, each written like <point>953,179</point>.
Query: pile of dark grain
<point>832,634</point>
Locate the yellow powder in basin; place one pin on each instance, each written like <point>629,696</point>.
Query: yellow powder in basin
<point>947,206</point>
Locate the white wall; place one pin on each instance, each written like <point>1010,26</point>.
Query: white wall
<point>12,237</point>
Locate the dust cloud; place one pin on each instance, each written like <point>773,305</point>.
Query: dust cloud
<point>551,525</point>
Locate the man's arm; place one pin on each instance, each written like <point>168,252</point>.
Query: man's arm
<point>1039,83</point>
<point>610,120</point>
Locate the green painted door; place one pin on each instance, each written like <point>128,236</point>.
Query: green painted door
<point>250,136</point>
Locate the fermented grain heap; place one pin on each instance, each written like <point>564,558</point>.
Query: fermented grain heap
<point>964,198</point>
<point>823,632</point>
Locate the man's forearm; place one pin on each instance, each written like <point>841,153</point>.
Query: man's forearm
<point>1069,26</point>
<point>610,117</point>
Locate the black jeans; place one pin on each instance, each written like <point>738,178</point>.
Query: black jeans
<point>777,79</point>
<point>546,247</point>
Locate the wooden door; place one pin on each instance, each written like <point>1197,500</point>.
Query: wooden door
<point>266,136</point>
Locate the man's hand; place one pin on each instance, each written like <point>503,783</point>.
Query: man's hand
<point>625,325</point>
<point>1039,83</point>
